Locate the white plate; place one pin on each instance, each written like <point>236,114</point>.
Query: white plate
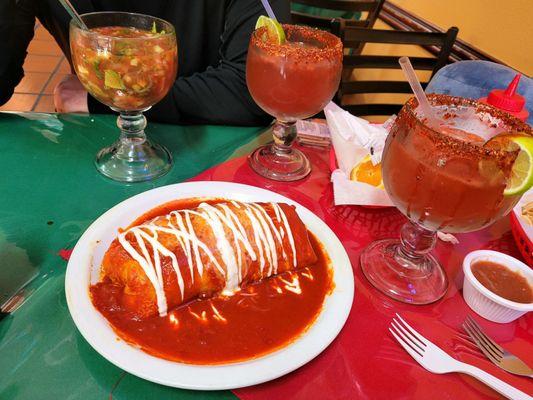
<point>83,270</point>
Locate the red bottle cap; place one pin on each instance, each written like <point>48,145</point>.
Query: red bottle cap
<point>507,99</point>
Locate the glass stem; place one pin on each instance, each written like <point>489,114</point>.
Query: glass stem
<point>284,135</point>
<point>415,243</point>
<point>132,124</point>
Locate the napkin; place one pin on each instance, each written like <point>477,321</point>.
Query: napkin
<point>346,191</point>
<point>353,139</point>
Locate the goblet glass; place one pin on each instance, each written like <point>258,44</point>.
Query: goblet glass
<point>447,179</point>
<point>128,62</point>
<point>290,81</point>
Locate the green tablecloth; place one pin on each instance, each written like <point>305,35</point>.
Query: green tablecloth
<point>50,193</point>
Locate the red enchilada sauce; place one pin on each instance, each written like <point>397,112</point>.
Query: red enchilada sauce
<point>258,319</point>
<point>502,281</point>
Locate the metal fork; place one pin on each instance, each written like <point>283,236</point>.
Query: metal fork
<point>495,353</point>
<point>437,361</point>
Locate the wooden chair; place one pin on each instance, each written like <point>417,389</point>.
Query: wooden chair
<point>353,37</point>
<point>370,8</point>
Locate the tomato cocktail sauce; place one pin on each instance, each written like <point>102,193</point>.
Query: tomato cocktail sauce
<point>124,67</point>
<point>256,320</point>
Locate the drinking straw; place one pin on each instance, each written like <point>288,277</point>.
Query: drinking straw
<point>423,102</point>
<point>73,13</point>
<point>268,9</point>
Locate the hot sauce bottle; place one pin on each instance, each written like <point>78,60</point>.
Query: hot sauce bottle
<point>508,100</point>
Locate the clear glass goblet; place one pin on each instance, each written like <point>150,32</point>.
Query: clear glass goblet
<point>442,179</point>
<point>290,81</point>
<point>128,62</point>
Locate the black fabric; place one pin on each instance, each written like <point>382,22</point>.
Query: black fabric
<point>213,38</point>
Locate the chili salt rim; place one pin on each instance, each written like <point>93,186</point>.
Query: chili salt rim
<point>459,146</point>
<point>332,50</point>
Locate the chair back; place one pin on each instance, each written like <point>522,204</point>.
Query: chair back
<point>369,8</point>
<point>353,37</point>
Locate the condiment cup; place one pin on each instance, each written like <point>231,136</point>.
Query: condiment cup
<point>486,303</point>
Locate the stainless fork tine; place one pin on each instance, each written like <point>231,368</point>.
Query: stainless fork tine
<point>482,342</point>
<point>421,339</point>
<point>412,352</point>
<point>488,339</point>
<point>499,356</point>
<point>480,345</point>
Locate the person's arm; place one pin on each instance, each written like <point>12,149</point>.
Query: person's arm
<point>219,95</point>
<point>17,21</point>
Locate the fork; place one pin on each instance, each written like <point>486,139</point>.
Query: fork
<point>495,353</point>
<point>437,361</point>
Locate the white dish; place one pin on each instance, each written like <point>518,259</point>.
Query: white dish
<point>83,268</point>
<point>486,303</point>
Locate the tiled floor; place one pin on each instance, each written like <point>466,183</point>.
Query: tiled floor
<point>44,67</point>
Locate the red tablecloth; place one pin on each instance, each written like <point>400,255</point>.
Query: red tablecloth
<point>365,362</point>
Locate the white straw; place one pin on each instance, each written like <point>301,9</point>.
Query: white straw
<point>423,102</point>
<point>268,9</point>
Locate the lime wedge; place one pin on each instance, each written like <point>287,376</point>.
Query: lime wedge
<point>522,173</point>
<point>274,29</point>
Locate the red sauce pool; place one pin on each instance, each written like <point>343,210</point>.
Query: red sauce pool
<point>259,319</point>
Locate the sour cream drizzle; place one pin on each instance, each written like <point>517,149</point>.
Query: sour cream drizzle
<point>220,218</point>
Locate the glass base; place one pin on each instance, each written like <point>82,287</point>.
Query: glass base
<point>134,160</point>
<point>422,283</point>
<point>289,166</point>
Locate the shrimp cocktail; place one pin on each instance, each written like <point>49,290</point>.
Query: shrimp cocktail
<point>292,72</point>
<point>458,176</point>
<point>128,62</point>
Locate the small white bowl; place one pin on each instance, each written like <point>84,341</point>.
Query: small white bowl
<point>482,300</point>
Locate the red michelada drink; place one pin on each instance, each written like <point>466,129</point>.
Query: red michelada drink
<point>458,173</point>
<point>447,178</point>
<point>292,72</point>
<point>297,79</point>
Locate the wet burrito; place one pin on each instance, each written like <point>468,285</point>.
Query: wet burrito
<point>200,252</point>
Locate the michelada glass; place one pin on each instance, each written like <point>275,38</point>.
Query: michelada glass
<point>449,178</point>
<point>128,62</point>
<point>290,81</point>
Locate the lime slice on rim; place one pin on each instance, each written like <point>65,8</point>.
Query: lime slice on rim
<point>522,172</point>
<point>274,29</point>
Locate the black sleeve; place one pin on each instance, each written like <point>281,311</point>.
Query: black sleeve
<point>17,21</point>
<point>219,94</point>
